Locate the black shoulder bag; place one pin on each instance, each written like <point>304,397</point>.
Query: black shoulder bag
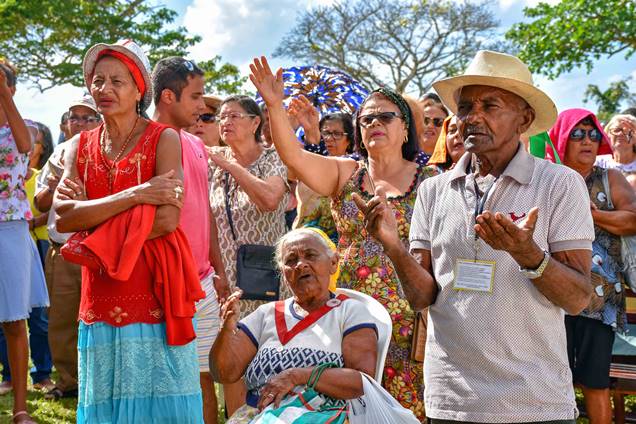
<point>256,273</point>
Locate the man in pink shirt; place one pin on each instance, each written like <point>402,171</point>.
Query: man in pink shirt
<point>178,95</point>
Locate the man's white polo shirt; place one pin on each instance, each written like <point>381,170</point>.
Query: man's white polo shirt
<point>500,356</point>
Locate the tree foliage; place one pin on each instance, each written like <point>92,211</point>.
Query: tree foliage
<point>47,39</point>
<point>575,33</point>
<point>406,44</point>
<point>222,78</point>
<point>609,101</point>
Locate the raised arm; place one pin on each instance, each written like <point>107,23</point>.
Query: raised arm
<point>622,220</point>
<point>324,175</point>
<point>265,193</point>
<point>21,134</point>
<point>75,212</point>
<point>232,350</point>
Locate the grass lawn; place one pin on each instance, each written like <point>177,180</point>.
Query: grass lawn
<point>55,412</point>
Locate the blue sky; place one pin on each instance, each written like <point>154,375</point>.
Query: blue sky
<point>238,30</point>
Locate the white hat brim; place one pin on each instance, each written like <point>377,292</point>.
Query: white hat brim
<point>90,60</point>
<point>544,108</point>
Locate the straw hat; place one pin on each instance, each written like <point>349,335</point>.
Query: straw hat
<point>505,72</point>
<point>128,48</point>
<point>212,101</point>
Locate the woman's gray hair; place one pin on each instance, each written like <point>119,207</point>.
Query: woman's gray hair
<point>280,244</point>
<point>621,117</point>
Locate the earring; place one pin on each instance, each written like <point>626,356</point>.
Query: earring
<point>138,107</point>
<point>406,140</point>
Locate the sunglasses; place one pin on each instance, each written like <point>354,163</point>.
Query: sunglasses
<point>207,118</point>
<point>578,134</point>
<point>384,118</point>
<point>189,65</point>
<point>438,122</point>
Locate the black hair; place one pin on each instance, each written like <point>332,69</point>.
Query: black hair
<point>588,121</point>
<point>432,96</point>
<point>409,149</point>
<point>347,125</point>
<point>173,73</point>
<point>47,144</point>
<point>249,106</point>
<point>630,111</point>
<point>10,72</point>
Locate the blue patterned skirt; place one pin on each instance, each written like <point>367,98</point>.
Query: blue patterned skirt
<point>130,375</point>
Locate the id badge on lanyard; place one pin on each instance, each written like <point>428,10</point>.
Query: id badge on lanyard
<point>473,274</point>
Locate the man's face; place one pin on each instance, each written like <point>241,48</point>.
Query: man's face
<point>81,118</point>
<point>490,117</point>
<point>187,109</point>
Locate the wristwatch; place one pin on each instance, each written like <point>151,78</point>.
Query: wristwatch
<point>536,273</point>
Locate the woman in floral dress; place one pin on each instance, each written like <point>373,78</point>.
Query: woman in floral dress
<point>385,138</point>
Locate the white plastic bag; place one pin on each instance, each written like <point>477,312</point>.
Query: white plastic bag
<point>377,406</point>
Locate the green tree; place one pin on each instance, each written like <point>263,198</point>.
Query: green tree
<point>609,101</point>
<point>406,44</point>
<point>574,33</point>
<point>222,78</point>
<point>47,39</point>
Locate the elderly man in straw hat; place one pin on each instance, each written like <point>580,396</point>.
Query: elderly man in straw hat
<point>501,247</point>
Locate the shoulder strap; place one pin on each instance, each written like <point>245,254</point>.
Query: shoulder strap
<point>606,188</point>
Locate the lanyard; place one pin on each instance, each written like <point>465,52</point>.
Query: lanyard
<point>480,203</point>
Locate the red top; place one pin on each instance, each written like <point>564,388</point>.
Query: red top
<point>132,285</point>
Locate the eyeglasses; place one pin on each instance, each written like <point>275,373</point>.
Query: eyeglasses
<point>207,118</point>
<point>83,119</point>
<point>578,134</point>
<point>438,122</point>
<point>234,115</point>
<point>619,130</point>
<point>332,134</point>
<point>385,118</point>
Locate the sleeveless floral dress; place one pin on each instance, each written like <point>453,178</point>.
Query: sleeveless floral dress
<point>365,267</point>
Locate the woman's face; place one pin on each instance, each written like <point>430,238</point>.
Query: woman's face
<point>433,120</point>
<point>307,266</point>
<point>207,131</point>
<point>236,124</point>
<point>381,135</point>
<point>454,142</point>
<point>113,88</point>
<point>333,134</point>
<point>622,136</point>
<point>581,153</point>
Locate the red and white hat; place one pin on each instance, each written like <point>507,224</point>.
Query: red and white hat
<point>133,57</point>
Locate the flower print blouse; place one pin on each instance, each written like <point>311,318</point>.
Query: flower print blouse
<point>14,204</point>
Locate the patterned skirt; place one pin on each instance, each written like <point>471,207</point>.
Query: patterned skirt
<point>130,375</point>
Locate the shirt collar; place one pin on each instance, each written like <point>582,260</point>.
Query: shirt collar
<point>520,168</point>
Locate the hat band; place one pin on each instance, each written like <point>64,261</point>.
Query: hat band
<point>130,64</point>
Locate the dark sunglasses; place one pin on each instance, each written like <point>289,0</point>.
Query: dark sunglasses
<point>189,65</point>
<point>578,134</point>
<point>438,122</point>
<point>384,118</point>
<point>207,118</point>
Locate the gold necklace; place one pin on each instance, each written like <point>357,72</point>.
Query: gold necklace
<point>112,170</point>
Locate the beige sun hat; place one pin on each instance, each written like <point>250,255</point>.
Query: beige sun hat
<point>131,50</point>
<point>85,101</point>
<point>212,101</point>
<point>508,73</point>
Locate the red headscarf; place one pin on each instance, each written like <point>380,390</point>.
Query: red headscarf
<point>560,132</point>
<point>130,64</point>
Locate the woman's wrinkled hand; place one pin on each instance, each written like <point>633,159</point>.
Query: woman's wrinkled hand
<point>279,386</point>
<point>71,190</point>
<point>219,159</point>
<point>379,218</point>
<point>161,190</point>
<point>269,86</point>
<point>307,116</point>
<point>231,310</point>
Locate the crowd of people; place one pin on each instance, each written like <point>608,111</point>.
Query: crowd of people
<point>154,257</point>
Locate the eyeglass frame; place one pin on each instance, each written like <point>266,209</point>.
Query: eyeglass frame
<point>437,122</point>
<point>586,133</point>
<point>211,120</point>
<point>332,134</point>
<point>379,117</point>
<point>622,130</point>
<point>235,115</point>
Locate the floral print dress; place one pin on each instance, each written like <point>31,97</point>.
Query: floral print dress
<point>365,267</point>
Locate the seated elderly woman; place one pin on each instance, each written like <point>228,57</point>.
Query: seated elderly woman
<point>277,347</point>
